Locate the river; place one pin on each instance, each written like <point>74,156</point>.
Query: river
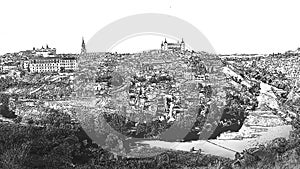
<point>252,133</point>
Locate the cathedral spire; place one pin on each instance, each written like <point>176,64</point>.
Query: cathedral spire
<point>83,43</point>
<point>83,49</point>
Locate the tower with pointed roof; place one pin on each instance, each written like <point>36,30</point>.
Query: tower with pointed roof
<point>83,49</point>
<point>164,45</point>
<point>182,45</point>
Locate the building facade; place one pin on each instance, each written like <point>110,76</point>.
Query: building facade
<point>44,65</point>
<point>51,64</point>
<point>44,52</point>
<point>68,64</point>
<point>8,66</point>
<point>179,46</point>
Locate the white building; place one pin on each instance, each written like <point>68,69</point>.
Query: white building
<point>44,65</point>
<point>69,63</point>
<point>52,64</point>
<point>44,52</point>
<point>8,66</point>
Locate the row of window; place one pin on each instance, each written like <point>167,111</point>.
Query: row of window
<point>53,67</point>
<point>56,67</point>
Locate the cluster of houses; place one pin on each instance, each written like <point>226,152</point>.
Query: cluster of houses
<point>287,65</point>
<point>155,81</point>
<point>37,60</point>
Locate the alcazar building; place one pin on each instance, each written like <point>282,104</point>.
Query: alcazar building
<point>179,46</point>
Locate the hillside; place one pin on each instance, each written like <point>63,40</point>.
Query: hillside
<point>117,100</point>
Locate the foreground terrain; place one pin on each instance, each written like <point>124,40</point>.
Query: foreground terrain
<point>52,120</point>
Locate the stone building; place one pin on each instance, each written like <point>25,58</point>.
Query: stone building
<point>179,46</point>
<point>52,64</point>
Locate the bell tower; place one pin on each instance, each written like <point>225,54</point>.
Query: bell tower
<point>83,49</point>
<point>182,45</point>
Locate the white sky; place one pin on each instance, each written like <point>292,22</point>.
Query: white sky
<point>232,26</point>
<point>154,41</point>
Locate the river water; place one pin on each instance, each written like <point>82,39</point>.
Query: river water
<point>259,128</point>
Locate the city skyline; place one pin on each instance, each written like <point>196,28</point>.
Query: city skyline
<point>149,84</point>
<point>244,27</point>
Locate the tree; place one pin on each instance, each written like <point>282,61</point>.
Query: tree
<point>4,107</point>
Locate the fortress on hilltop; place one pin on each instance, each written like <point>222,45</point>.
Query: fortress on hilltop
<point>179,46</point>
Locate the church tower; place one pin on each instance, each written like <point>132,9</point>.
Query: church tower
<point>164,45</point>
<point>83,49</point>
<point>182,45</point>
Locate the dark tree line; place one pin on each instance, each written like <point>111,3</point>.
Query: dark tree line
<point>5,111</point>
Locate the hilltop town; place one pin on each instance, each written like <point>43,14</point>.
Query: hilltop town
<point>170,94</point>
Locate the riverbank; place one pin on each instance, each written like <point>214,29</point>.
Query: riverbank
<point>260,127</point>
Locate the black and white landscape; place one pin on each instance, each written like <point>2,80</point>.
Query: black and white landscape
<point>167,106</point>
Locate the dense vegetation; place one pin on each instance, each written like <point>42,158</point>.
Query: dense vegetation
<point>5,111</point>
<point>62,144</point>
